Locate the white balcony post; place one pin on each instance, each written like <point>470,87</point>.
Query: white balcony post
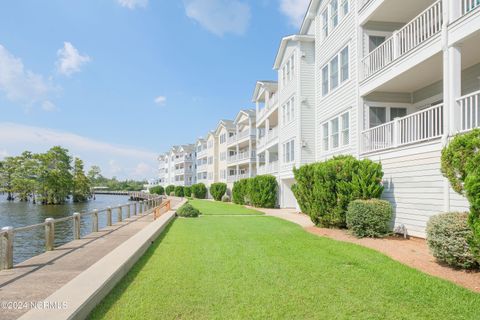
<point>454,8</point>
<point>267,130</point>
<point>454,81</point>
<point>396,132</point>
<point>396,45</point>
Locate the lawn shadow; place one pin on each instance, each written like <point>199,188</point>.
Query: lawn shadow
<point>117,292</point>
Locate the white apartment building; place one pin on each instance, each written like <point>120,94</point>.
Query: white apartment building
<point>201,161</point>
<point>178,166</point>
<point>395,80</point>
<point>241,148</point>
<point>212,158</point>
<point>225,130</point>
<point>162,175</point>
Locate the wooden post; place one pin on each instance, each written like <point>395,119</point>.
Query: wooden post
<point>49,234</point>
<point>6,249</point>
<point>76,225</point>
<point>109,216</point>
<point>119,214</point>
<point>95,221</point>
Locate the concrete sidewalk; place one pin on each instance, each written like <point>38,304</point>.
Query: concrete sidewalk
<point>37,278</point>
<point>290,215</point>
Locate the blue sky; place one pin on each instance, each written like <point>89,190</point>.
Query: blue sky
<point>120,81</point>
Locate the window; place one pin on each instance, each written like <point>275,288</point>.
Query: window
<point>222,156</point>
<point>334,135</point>
<point>210,160</point>
<point>223,138</point>
<point>289,151</point>
<point>374,42</point>
<point>336,132</point>
<point>325,136</point>
<point>344,64</point>
<point>345,129</point>
<point>334,73</point>
<point>292,65</point>
<point>397,113</point>
<point>325,23</point>
<point>377,116</point>
<point>287,67</point>
<point>325,80</point>
<point>345,7</point>
<point>334,12</point>
<point>288,111</point>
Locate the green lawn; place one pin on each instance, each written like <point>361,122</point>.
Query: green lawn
<point>208,207</point>
<point>238,267</point>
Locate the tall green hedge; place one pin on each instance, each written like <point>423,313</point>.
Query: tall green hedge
<point>157,190</point>
<point>260,191</point>
<point>199,191</point>
<point>169,189</point>
<point>239,191</point>
<point>324,190</point>
<point>187,191</point>
<point>179,191</point>
<point>217,190</point>
<point>461,165</point>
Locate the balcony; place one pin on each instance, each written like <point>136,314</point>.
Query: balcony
<point>469,115</point>
<point>245,155</point>
<point>272,103</point>
<point>202,154</point>
<point>270,168</point>
<point>469,5</point>
<point>271,135</point>
<point>414,128</point>
<point>234,178</point>
<point>240,136</point>
<point>418,31</point>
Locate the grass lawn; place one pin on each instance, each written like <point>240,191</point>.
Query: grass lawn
<point>234,267</point>
<point>208,207</point>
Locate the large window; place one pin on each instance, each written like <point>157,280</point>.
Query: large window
<point>223,138</point>
<point>334,12</point>
<point>289,151</point>
<point>336,71</point>
<point>336,132</point>
<point>374,42</point>
<point>288,70</point>
<point>345,7</point>
<point>397,113</point>
<point>377,116</point>
<point>325,23</point>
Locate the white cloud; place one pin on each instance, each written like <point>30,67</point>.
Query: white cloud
<point>70,60</point>
<point>220,16</point>
<point>294,10</point>
<point>132,4</point>
<point>19,84</point>
<point>121,161</point>
<point>161,100</point>
<point>48,106</point>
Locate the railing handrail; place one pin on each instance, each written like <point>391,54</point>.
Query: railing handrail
<point>468,95</point>
<point>386,124</point>
<point>419,15</point>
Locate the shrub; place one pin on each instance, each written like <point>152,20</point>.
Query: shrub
<point>262,191</point>
<point>172,194</point>
<point>199,191</point>
<point>325,189</point>
<point>217,190</point>
<point>170,189</point>
<point>448,237</point>
<point>157,190</point>
<point>179,191</point>
<point>239,191</point>
<point>369,218</point>
<point>461,166</point>
<point>188,211</point>
<point>225,198</point>
<point>187,191</point>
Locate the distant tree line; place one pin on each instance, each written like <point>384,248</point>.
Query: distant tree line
<point>54,177</point>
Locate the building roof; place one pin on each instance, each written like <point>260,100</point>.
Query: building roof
<point>283,47</point>
<point>227,124</point>
<point>309,16</point>
<point>250,113</point>
<point>272,85</point>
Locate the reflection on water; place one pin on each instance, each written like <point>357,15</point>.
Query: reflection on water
<point>30,243</point>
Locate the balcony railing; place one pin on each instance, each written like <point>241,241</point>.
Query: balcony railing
<point>469,111</point>
<point>469,5</point>
<point>420,29</point>
<point>241,135</point>
<point>417,127</point>
<point>268,106</point>
<point>268,137</point>
<point>241,156</point>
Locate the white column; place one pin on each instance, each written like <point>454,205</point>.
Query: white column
<point>454,83</point>
<point>267,129</point>
<point>454,8</point>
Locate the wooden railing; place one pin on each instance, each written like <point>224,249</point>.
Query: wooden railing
<point>417,127</point>
<point>469,111</point>
<point>7,234</point>
<point>423,27</point>
<point>161,209</point>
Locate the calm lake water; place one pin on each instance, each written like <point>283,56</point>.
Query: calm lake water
<point>30,243</point>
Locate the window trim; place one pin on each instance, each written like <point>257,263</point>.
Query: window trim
<point>288,111</point>
<point>328,64</point>
<point>339,133</point>
<point>288,149</point>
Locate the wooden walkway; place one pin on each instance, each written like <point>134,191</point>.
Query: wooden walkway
<point>37,278</point>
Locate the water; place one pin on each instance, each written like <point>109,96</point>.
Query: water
<point>31,243</point>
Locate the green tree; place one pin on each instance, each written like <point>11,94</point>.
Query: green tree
<point>25,176</point>
<point>7,170</point>
<point>55,175</point>
<point>81,183</point>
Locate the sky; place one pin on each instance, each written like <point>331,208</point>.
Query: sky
<point>118,82</point>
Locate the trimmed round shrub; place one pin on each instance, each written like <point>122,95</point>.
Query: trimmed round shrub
<point>157,190</point>
<point>179,191</point>
<point>262,191</point>
<point>187,191</point>
<point>369,218</point>
<point>199,191</point>
<point>169,189</point>
<point>239,191</point>
<point>188,211</point>
<point>448,237</point>
<point>225,198</point>
<point>217,190</point>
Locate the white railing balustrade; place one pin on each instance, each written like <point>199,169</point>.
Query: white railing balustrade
<point>423,27</point>
<point>420,126</point>
<point>417,127</point>
<point>469,5</point>
<point>469,111</point>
